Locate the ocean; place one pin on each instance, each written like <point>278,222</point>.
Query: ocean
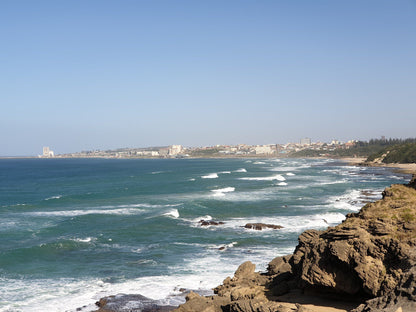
<point>75,230</point>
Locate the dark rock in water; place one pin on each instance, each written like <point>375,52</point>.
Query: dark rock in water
<point>261,226</point>
<point>130,303</point>
<point>209,222</point>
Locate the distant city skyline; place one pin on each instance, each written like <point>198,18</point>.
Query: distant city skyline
<point>85,75</point>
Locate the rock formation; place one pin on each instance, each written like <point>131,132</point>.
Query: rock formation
<point>369,260</point>
<point>210,222</point>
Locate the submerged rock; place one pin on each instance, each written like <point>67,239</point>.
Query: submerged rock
<point>262,226</point>
<point>210,222</point>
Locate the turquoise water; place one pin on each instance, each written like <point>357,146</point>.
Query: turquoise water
<point>81,229</point>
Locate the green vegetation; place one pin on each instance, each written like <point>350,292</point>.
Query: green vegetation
<point>408,216</point>
<point>361,149</point>
<point>400,153</point>
<point>206,152</point>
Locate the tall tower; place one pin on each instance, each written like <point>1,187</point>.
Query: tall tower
<point>46,151</point>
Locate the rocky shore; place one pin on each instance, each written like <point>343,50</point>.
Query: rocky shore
<point>365,264</point>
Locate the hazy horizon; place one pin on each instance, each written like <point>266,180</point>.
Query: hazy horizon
<point>85,75</point>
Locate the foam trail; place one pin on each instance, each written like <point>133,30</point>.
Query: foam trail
<point>53,197</point>
<point>221,192</point>
<point>75,213</point>
<point>271,178</point>
<point>210,176</point>
<point>241,170</point>
<point>172,213</point>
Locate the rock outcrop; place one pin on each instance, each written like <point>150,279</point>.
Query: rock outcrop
<point>210,222</point>
<point>369,260</point>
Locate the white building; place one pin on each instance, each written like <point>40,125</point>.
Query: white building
<point>175,150</point>
<point>305,141</point>
<point>47,152</point>
<point>264,149</point>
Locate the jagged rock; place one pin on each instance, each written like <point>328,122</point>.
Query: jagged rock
<point>280,265</point>
<point>262,226</point>
<point>258,306</point>
<point>195,302</point>
<point>245,270</point>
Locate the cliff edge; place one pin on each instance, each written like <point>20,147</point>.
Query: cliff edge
<point>365,264</point>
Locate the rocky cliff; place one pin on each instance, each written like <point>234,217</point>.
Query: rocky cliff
<point>365,264</point>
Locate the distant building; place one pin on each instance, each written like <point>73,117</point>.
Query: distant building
<point>175,150</point>
<point>264,149</point>
<point>47,152</point>
<point>305,141</point>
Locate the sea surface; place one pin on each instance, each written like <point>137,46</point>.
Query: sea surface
<point>75,230</point>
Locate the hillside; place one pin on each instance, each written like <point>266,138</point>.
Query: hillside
<point>360,149</point>
<point>401,153</point>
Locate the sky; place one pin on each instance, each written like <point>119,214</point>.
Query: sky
<point>98,74</point>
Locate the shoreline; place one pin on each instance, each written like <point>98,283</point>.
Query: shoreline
<point>407,168</point>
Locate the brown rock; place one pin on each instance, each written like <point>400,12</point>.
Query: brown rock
<point>280,265</point>
<point>245,270</point>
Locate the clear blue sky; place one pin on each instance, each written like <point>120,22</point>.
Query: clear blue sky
<point>81,75</point>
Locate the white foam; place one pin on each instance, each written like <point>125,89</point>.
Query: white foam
<point>353,200</point>
<point>53,197</point>
<point>200,272</point>
<point>192,179</point>
<point>210,176</point>
<point>226,246</point>
<point>282,184</point>
<point>225,172</point>
<point>259,163</point>
<point>289,168</point>
<point>85,240</point>
<point>270,178</point>
<point>290,174</point>
<point>172,213</point>
<point>195,222</point>
<point>290,224</point>
<point>222,191</point>
<point>240,170</point>
<point>75,213</point>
